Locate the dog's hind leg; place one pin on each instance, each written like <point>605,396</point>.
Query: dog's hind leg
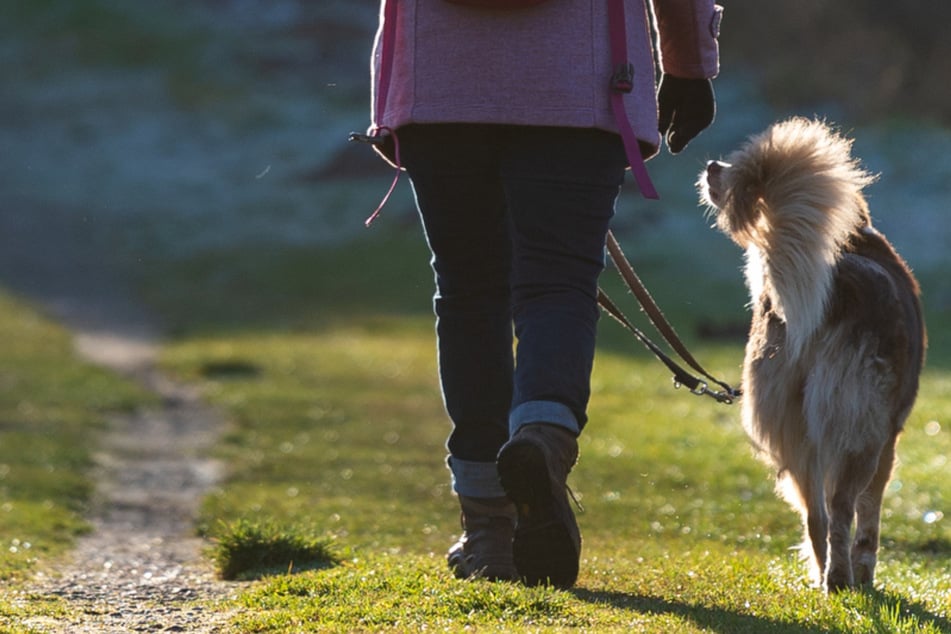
<point>850,478</point>
<point>868,516</point>
<point>810,498</point>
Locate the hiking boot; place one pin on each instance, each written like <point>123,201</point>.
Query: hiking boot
<point>484,551</point>
<point>533,469</point>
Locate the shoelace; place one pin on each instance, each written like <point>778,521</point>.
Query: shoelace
<point>574,499</point>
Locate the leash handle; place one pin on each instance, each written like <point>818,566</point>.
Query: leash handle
<point>681,376</point>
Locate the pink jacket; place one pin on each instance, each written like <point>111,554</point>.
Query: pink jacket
<point>544,65</point>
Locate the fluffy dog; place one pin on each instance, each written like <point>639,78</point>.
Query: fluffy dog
<point>837,340</point>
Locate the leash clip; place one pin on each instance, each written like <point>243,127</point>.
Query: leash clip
<point>702,388</point>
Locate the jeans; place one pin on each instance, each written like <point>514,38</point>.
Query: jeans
<point>516,219</point>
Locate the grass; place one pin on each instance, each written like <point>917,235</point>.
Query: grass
<point>339,431</point>
<point>670,593</point>
<point>337,511</point>
<point>247,548</point>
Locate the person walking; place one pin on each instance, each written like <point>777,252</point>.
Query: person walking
<point>509,117</point>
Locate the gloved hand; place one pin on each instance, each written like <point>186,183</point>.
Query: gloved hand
<point>685,108</point>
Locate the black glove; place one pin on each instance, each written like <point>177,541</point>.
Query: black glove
<point>685,108</point>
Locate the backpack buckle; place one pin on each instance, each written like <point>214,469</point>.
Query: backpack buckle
<point>623,78</point>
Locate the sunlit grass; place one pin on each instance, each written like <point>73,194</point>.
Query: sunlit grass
<point>340,428</point>
<point>338,501</point>
<point>245,549</point>
<point>682,530</point>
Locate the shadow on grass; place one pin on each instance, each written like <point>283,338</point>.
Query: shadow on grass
<point>709,618</point>
<point>892,603</point>
<point>282,570</point>
<point>884,606</point>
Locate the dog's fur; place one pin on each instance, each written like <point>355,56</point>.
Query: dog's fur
<point>837,338</point>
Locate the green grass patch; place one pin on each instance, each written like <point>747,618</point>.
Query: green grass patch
<point>339,427</point>
<point>52,410</point>
<point>247,549</point>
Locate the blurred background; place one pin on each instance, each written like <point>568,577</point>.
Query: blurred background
<point>140,142</point>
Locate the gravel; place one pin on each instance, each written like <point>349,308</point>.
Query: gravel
<point>142,569</point>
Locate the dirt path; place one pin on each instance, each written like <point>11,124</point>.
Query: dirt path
<point>141,569</point>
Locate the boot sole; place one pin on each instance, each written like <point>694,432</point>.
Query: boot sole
<point>544,548</point>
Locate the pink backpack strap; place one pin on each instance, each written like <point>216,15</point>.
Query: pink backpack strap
<point>387,45</point>
<point>622,82</point>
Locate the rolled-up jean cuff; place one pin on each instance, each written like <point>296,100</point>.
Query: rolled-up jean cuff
<point>549,412</point>
<point>475,479</point>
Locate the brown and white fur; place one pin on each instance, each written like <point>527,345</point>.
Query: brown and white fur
<point>837,340</point>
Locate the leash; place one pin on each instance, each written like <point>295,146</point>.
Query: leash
<point>622,82</point>
<point>682,377</point>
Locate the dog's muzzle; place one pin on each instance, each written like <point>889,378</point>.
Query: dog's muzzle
<point>714,178</point>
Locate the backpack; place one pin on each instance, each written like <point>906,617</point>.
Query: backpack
<point>620,83</point>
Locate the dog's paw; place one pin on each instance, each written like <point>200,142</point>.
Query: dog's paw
<point>838,580</point>
<point>863,570</point>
